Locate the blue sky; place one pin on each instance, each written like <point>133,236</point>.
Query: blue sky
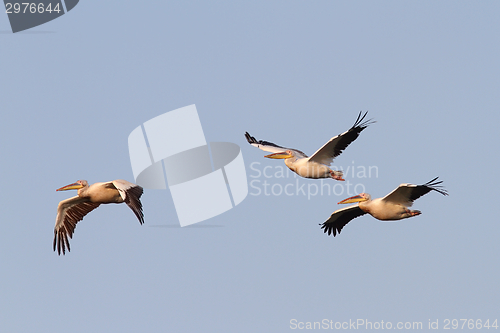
<point>292,72</point>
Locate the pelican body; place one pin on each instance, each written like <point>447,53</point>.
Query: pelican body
<point>317,165</point>
<point>72,210</point>
<point>306,168</point>
<point>393,206</point>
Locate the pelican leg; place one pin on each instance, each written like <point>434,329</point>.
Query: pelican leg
<point>412,212</point>
<point>415,212</point>
<point>337,175</point>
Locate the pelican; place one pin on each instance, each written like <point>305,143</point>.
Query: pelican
<point>72,210</point>
<point>393,206</point>
<point>316,166</point>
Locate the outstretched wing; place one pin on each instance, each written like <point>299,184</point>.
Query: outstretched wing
<point>69,213</point>
<point>337,144</point>
<point>269,146</point>
<point>131,194</point>
<point>340,218</point>
<point>405,194</point>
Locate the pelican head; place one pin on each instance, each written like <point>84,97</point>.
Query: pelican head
<point>282,155</point>
<point>357,198</point>
<point>75,186</point>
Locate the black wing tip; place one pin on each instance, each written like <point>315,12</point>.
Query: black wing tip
<point>137,209</point>
<point>359,124</point>
<point>250,138</point>
<point>141,218</point>
<point>62,242</point>
<point>132,199</point>
<point>139,214</point>
<point>327,229</point>
<point>434,184</point>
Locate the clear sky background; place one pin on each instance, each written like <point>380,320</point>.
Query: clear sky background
<point>292,72</point>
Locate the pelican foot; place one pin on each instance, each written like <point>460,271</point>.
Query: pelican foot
<point>415,212</point>
<point>336,176</point>
<point>411,213</point>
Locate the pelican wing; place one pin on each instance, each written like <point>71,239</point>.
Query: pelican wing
<point>269,146</point>
<point>340,218</point>
<point>131,194</point>
<point>69,213</point>
<point>337,144</point>
<point>405,194</point>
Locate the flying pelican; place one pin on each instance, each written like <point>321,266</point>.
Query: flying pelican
<point>72,210</point>
<point>391,207</point>
<point>316,166</point>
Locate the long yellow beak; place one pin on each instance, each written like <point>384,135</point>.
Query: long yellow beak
<point>356,198</point>
<point>279,155</point>
<point>74,186</point>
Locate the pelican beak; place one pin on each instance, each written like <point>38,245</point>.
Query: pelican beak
<point>356,198</point>
<point>279,155</point>
<point>74,186</point>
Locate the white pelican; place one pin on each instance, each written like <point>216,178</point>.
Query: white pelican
<point>316,166</point>
<point>72,210</point>
<point>391,207</point>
